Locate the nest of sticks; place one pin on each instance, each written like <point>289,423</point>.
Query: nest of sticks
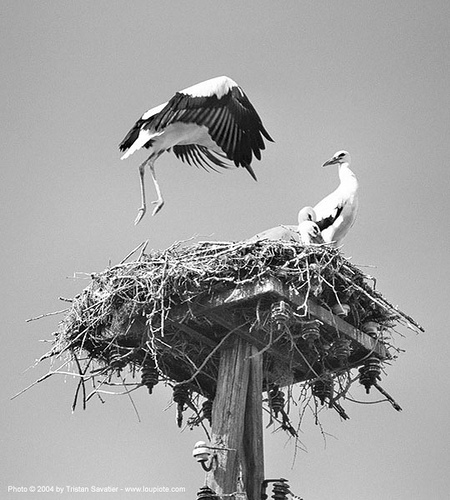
<point>166,315</point>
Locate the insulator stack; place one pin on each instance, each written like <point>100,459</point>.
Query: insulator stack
<point>341,310</point>
<point>370,373</point>
<point>280,490</point>
<point>280,314</point>
<point>342,350</point>
<point>372,328</point>
<point>206,493</point>
<point>207,407</point>
<point>149,375</point>
<point>311,331</point>
<point>323,389</point>
<point>276,400</point>
<point>181,396</point>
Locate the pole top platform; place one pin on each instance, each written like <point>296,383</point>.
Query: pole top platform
<point>307,309</point>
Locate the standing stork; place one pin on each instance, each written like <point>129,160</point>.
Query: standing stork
<point>341,206</point>
<point>206,125</point>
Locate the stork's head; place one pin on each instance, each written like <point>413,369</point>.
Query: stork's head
<point>307,227</point>
<point>306,214</point>
<point>338,159</point>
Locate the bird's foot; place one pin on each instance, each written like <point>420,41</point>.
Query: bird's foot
<point>159,204</point>
<point>140,215</point>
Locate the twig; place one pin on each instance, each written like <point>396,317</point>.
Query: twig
<point>41,379</point>
<point>54,313</point>
<point>132,252</point>
<point>80,384</point>
<point>141,254</point>
<point>388,397</point>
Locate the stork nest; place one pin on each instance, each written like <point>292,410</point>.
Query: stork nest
<point>149,315</point>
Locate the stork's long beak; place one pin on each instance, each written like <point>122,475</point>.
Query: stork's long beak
<point>331,161</point>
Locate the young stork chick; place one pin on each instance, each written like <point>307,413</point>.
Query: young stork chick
<point>341,206</point>
<point>306,232</point>
<point>308,229</point>
<point>211,124</point>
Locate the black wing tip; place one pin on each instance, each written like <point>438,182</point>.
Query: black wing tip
<point>251,171</point>
<point>200,156</point>
<point>267,136</point>
<point>129,139</point>
<point>264,132</point>
<point>124,143</point>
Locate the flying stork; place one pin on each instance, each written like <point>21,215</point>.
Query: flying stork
<point>341,206</point>
<point>211,124</point>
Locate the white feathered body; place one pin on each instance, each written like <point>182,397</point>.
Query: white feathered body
<point>277,233</point>
<point>345,199</point>
<point>175,134</point>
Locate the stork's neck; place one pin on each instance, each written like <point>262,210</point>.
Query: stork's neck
<point>346,176</point>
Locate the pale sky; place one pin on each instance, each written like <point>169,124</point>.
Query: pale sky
<point>368,77</point>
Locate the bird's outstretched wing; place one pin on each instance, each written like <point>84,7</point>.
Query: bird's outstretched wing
<point>200,156</point>
<point>222,108</point>
<point>231,120</point>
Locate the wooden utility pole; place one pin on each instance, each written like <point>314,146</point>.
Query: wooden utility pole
<point>237,426</point>
<point>237,422</point>
<point>253,463</point>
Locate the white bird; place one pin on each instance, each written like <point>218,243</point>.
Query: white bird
<point>206,125</point>
<point>306,232</point>
<point>308,228</point>
<point>341,206</point>
<point>277,233</point>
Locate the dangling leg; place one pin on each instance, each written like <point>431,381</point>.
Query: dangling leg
<point>143,208</point>
<point>159,202</point>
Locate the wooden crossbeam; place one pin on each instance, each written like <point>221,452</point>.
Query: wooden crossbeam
<point>254,340</point>
<point>192,333</point>
<point>274,288</point>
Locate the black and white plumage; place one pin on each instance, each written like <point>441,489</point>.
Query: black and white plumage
<point>341,206</point>
<point>307,232</point>
<point>211,124</point>
<point>308,229</point>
